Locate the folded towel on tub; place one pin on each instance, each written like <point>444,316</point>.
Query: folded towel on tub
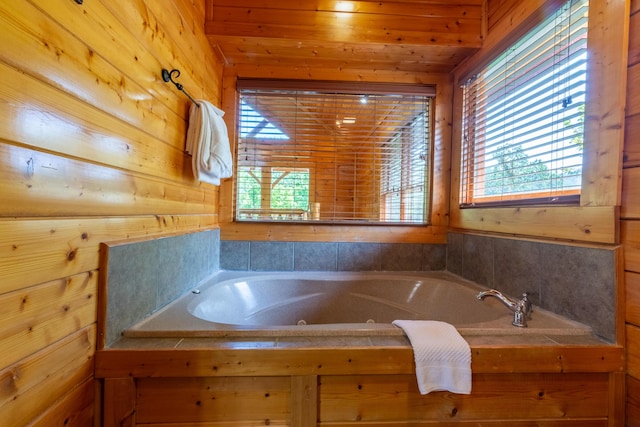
<point>208,143</point>
<point>442,356</point>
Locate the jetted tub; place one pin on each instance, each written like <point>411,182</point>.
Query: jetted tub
<point>338,303</point>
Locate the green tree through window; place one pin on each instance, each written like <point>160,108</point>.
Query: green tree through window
<point>289,189</point>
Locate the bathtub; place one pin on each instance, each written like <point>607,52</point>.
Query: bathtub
<point>232,304</point>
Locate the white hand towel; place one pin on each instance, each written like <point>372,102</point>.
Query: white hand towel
<point>442,356</point>
<point>208,143</point>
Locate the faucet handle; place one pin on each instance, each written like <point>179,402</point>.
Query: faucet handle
<point>527,305</point>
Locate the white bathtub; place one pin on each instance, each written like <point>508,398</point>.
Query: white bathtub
<point>338,303</point>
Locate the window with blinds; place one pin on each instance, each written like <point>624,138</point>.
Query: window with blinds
<point>523,117</point>
<point>332,153</point>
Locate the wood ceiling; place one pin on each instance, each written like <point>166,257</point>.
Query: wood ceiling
<point>393,35</point>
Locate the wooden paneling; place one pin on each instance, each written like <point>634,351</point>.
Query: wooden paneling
<point>41,184</point>
<point>633,402</point>
<point>589,224</point>
<point>633,93</point>
<point>304,400</point>
<point>631,225</point>
<point>497,10</point>
<point>395,398</point>
<point>119,402</point>
<point>630,233</point>
<point>240,399</point>
<point>68,63</point>
<point>605,112</point>
<point>634,39</point>
<point>40,315</point>
<point>357,35</point>
<point>630,193</point>
<point>32,385</point>
<point>40,116</point>
<point>632,297</point>
<point>343,361</point>
<point>330,55</point>
<point>76,409</point>
<point>633,350</point>
<point>309,386</point>
<point>91,150</point>
<point>631,144</point>
<point>34,251</point>
<point>516,18</point>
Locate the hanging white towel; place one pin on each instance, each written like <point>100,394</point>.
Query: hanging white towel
<point>208,143</point>
<point>442,356</point>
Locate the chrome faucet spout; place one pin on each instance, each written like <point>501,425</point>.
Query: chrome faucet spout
<point>497,294</point>
<point>521,308</point>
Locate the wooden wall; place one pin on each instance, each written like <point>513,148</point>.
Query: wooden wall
<point>630,222</point>
<point>91,150</point>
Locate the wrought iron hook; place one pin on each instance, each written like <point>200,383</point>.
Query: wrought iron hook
<point>167,76</point>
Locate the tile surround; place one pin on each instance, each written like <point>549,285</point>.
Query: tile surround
<point>574,281</point>
<point>330,256</point>
<point>271,256</point>
<point>145,276</point>
<point>315,256</point>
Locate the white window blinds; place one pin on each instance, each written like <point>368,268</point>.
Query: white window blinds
<point>523,117</point>
<point>329,155</point>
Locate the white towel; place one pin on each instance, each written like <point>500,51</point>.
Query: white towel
<point>208,143</point>
<point>443,357</point>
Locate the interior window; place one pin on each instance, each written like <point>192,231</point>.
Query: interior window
<point>273,193</point>
<point>332,154</point>
<point>523,117</point>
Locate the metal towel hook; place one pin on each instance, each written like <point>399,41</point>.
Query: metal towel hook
<point>168,76</point>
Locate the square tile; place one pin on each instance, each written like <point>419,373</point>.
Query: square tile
<point>401,256</point>
<point>359,256</point>
<point>271,256</point>
<point>315,256</point>
<point>234,255</point>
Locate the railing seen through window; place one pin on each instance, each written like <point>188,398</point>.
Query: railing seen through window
<point>330,155</point>
<point>523,117</point>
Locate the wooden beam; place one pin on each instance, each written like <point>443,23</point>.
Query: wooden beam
<point>304,400</point>
<point>114,363</point>
<point>119,402</point>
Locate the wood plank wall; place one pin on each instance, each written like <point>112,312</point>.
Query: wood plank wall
<point>91,150</point>
<point>630,220</point>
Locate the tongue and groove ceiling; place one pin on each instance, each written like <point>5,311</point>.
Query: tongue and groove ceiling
<point>410,36</point>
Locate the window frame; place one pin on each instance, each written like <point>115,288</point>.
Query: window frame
<point>441,119</point>
<point>425,91</point>
<point>475,192</point>
<point>595,218</point>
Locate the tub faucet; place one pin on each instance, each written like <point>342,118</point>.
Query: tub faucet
<point>521,308</point>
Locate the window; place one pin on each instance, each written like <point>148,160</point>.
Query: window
<point>332,153</point>
<point>402,190</point>
<point>285,194</point>
<point>523,117</point>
